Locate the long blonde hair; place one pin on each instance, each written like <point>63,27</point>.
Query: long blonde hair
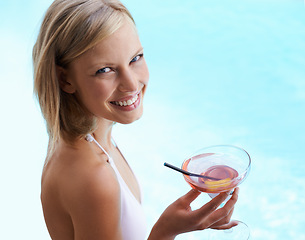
<point>70,28</point>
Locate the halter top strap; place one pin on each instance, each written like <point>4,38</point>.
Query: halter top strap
<point>90,138</point>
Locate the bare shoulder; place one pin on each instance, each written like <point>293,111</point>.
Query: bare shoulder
<point>83,185</point>
<point>90,182</point>
<point>79,170</point>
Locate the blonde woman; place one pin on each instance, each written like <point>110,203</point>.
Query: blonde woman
<point>90,72</point>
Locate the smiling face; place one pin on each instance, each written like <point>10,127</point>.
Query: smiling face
<point>110,79</point>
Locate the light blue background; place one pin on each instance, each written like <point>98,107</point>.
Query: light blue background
<point>222,72</point>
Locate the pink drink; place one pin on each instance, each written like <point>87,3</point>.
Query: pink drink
<point>220,172</point>
<point>227,178</point>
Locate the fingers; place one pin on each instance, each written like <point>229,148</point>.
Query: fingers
<point>224,222</point>
<point>226,226</point>
<point>233,199</point>
<point>211,217</point>
<point>223,215</point>
<point>212,205</point>
<point>180,218</point>
<point>190,196</point>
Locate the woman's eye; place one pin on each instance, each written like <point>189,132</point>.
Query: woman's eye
<point>136,58</point>
<point>103,70</point>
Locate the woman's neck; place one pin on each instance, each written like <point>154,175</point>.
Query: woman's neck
<point>103,132</point>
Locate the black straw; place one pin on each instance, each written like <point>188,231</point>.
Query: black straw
<point>189,173</point>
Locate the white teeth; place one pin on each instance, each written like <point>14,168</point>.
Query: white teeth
<point>128,102</point>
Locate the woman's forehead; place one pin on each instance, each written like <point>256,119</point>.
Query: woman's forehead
<point>124,42</point>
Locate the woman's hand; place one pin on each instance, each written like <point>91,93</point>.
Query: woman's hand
<point>180,218</point>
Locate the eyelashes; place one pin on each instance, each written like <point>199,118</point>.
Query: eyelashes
<point>137,58</point>
<point>109,69</point>
<point>103,70</point>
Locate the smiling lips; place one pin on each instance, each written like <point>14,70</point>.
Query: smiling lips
<point>128,104</point>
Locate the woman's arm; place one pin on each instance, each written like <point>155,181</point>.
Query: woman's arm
<point>180,218</point>
<point>93,201</point>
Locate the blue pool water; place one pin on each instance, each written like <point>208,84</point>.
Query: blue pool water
<point>222,72</point>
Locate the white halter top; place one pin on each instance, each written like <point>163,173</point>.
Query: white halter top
<point>133,222</point>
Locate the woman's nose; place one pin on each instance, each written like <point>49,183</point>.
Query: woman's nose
<point>128,81</point>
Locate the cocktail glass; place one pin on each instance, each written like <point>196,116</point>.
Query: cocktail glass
<point>225,167</point>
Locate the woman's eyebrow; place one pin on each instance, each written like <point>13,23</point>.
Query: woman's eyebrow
<point>137,52</point>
